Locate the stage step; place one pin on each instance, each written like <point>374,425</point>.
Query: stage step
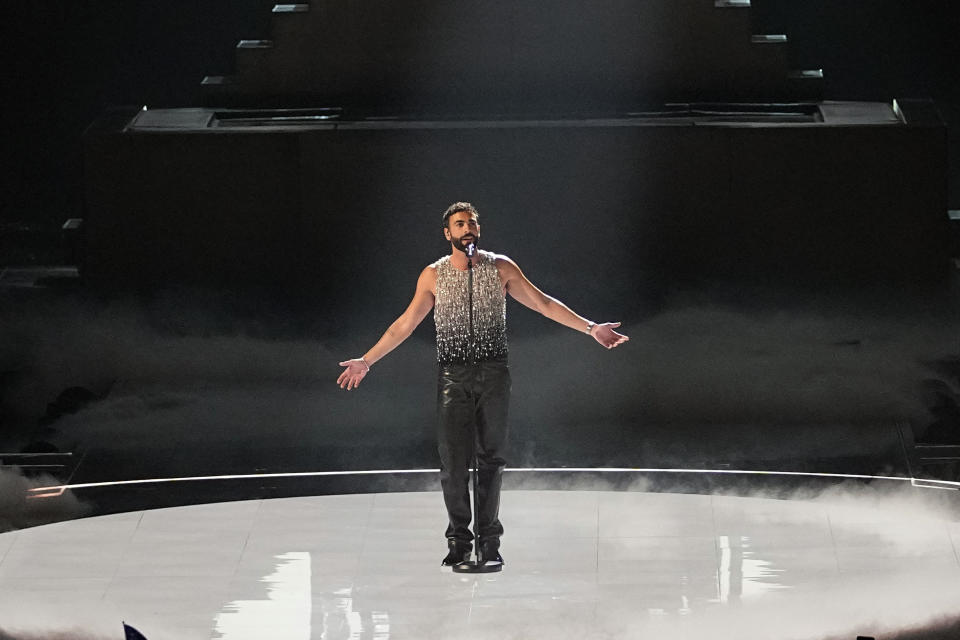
<point>218,90</point>
<point>770,51</point>
<point>56,464</point>
<point>291,8</point>
<point>690,53</point>
<point>807,84</point>
<point>252,56</point>
<point>921,456</point>
<point>255,44</point>
<point>218,81</point>
<point>807,74</point>
<point>292,23</point>
<point>769,38</point>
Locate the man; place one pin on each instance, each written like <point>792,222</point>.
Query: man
<point>473,386</point>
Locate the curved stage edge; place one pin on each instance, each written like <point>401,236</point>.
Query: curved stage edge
<point>100,498</point>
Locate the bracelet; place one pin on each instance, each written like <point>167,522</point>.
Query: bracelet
<point>590,325</point>
<point>365,363</point>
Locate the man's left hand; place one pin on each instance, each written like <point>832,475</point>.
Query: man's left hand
<point>605,334</point>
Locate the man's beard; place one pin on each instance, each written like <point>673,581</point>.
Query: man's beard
<point>461,246</point>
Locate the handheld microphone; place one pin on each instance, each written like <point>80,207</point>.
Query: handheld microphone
<point>471,249</point>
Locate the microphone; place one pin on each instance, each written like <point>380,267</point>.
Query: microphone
<point>471,249</point>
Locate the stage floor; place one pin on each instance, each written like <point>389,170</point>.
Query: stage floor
<point>579,564</point>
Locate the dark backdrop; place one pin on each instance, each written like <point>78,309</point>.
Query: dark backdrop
<point>203,391</point>
<point>67,60</point>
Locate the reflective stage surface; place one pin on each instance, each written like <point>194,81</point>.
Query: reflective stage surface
<point>579,564</point>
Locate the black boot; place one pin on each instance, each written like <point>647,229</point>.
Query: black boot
<point>458,552</point>
<point>490,551</point>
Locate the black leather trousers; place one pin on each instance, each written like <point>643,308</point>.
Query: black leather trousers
<point>469,394</point>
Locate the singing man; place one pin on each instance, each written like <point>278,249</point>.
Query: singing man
<point>473,383</point>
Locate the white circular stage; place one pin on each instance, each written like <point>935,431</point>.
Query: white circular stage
<point>579,564</point>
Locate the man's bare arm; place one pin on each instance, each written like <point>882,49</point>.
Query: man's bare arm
<point>357,368</point>
<point>524,292</point>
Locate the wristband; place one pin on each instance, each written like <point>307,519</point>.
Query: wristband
<point>590,325</point>
<point>365,364</point>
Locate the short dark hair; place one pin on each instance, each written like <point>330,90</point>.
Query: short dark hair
<point>458,207</point>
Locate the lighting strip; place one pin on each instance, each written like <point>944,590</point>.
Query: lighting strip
<point>57,490</point>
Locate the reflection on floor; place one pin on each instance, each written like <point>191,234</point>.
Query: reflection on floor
<point>580,564</point>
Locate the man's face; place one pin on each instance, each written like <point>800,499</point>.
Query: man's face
<point>462,229</point>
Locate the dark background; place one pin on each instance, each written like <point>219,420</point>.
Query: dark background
<point>809,378</point>
<point>68,60</point>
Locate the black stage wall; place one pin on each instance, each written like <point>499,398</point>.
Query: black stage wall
<point>66,61</point>
<point>308,210</point>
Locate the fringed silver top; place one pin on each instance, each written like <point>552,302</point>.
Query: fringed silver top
<point>451,312</point>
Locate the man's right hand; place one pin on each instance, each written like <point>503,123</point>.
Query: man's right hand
<point>356,370</point>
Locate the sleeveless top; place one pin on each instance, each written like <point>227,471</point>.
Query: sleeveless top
<point>451,312</point>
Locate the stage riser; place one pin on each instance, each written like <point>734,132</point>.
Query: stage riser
<point>499,56</point>
<point>308,209</point>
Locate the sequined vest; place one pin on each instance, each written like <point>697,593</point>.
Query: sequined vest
<point>451,312</point>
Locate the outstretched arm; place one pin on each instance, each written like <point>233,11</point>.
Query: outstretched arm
<point>357,368</point>
<point>522,290</point>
